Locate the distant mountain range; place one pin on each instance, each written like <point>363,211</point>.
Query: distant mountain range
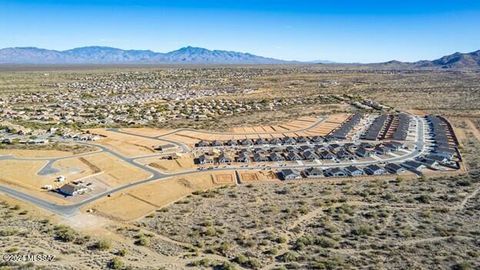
<point>195,55</point>
<point>454,61</point>
<point>108,55</point>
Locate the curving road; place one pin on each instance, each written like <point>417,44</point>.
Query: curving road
<point>155,175</point>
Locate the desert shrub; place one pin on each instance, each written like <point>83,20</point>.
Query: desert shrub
<point>115,263</point>
<point>122,252</point>
<point>225,266</point>
<point>423,198</point>
<point>202,262</point>
<point>141,240</point>
<point>8,232</point>
<point>247,262</point>
<point>288,256</point>
<point>462,266</point>
<point>103,245</point>
<point>65,233</point>
<point>362,230</point>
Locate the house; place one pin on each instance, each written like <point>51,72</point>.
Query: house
<point>394,168</point>
<point>259,151</point>
<point>202,144</point>
<point>316,139</point>
<point>293,156</point>
<point>363,152</point>
<point>223,158</point>
<point>375,129</point>
<point>381,150</point>
<point>243,157</point>
<point>335,172</point>
<point>334,147</point>
<point>164,147</point>
<point>393,146</point>
<point>413,165</point>
<point>309,155</point>
<point>305,147</point>
<point>440,159</point>
<point>444,152</point>
<point>261,141</point>
<point>326,155</point>
<point>72,189</point>
<point>374,170</point>
<point>430,163</point>
<point>289,174</point>
<point>258,157</point>
<point>246,142</point>
<point>366,145</point>
<point>313,172</point>
<point>289,140</point>
<point>290,148</point>
<point>231,143</point>
<point>302,140</point>
<point>343,154</point>
<point>203,159</point>
<point>351,147</point>
<point>353,171</point>
<point>217,143</point>
<point>275,141</point>
<point>276,157</point>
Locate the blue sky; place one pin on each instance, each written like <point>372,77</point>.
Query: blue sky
<point>342,31</point>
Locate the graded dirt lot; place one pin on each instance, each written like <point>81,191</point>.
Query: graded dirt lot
<point>149,132</point>
<point>257,176</point>
<point>128,145</point>
<point>23,173</point>
<point>139,201</point>
<point>185,162</point>
<point>21,153</point>
<point>118,170</point>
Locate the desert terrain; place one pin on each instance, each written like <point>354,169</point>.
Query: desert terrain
<point>145,202</point>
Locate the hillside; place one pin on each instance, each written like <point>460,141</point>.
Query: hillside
<point>454,61</point>
<point>108,55</point>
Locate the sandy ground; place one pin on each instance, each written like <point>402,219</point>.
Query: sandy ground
<point>34,153</point>
<point>175,165</point>
<point>119,171</point>
<point>128,145</point>
<point>151,132</point>
<point>257,176</point>
<point>23,173</point>
<point>144,199</point>
<point>133,146</point>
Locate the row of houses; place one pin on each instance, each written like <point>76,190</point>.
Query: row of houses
<point>402,125</point>
<point>445,144</point>
<point>314,172</point>
<point>395,126</point>
<point>377,127</point>
<point>263,141</point>
<point>347,126</point>
<point>347,151</point>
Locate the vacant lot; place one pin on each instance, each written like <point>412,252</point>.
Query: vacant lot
<point>139,201</point>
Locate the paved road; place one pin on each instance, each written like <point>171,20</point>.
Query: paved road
<point>68,210</point>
